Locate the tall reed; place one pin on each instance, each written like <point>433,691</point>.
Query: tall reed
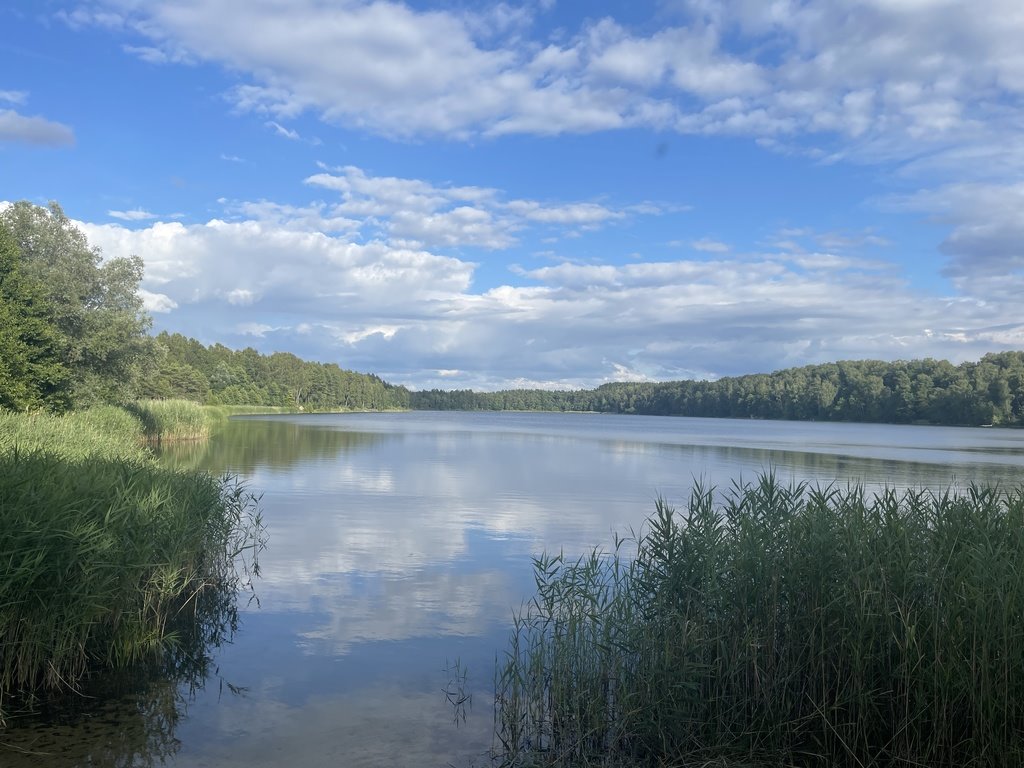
<point>106,432</point>
<point>172,420</point>
<point>107,559</point>
<point>780,625</point>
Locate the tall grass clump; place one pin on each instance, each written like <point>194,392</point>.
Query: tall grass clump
<point>103,561</point>
<point>106,432</point>
<point>780,625</point>
<point>172,420</point>
<point>184,420</point>
<point>106,558</point>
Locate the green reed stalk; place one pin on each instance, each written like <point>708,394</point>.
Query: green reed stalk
<point>172,420</point>
<point>106,559</point>
<point>106,432</point>
<point>780,625</point>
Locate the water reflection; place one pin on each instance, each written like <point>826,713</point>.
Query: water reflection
<point>247,443</point>
<point>130,718</point>
<point>398,541</point>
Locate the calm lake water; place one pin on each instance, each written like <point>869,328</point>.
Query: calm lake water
<point>399,547</point>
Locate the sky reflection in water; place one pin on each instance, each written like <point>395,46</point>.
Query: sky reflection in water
<point>401,542</point>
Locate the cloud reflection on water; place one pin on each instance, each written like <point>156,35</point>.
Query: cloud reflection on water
<point>398,539</point>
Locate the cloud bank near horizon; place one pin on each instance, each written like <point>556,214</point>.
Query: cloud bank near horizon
<point>347,281</point>
<point>493,280</point>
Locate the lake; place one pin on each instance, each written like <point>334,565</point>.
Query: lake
<point>399,546</point>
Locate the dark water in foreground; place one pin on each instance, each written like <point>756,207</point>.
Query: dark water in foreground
<point>400,544</point>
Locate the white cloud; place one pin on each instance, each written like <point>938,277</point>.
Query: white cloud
<point>17,128</point>
<point>926,89</point>
<point>411,315</point>
<point>13,97</point>
<point>133,215</point>
<point>157,302</point>
<point>418,213</point>
<point>165,55</point>
<point>691,59</point>
<point>242,297</point>
<point>305,275</point>
<point>259,330</point>
<point>875,80</point>
<point>316,217</point>
<point>578,213</point>
<point>280,130</point>
<point>986,245</point>
<point>708,245</point>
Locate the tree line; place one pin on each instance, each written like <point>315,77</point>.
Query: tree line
<point>185,368</point>
<point>74,333</point>
<point>989,391</point>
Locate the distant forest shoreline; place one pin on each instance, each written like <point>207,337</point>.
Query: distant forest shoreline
<point>986,392</point>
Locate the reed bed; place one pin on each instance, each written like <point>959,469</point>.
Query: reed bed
<point>102,559</point>
<point>172,420</point>
<point>105,432</point>
<point>779,625</point>
<point>106,559</point>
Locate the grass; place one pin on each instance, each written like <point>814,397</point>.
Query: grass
<point>184,420</point>
<point>105,432</point>
<point>116,432</point>
<point>172,420</point>
<point>779,625</point>
<point>106,559</point>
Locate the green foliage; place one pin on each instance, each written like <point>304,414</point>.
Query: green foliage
<point>170,420</point>
<point>91,308</point>
<point>184,368</point>
<point>32,372</point>
<point>990,391</point>
<point>104,432</point>
<point>783,625</point>
<point>108,560</point>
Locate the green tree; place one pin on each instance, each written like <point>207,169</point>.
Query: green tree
<point>92,304</point>
<point>32,374</point>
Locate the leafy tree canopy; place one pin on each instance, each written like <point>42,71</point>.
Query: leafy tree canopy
<point>92,304</point>
<point>32,371</point>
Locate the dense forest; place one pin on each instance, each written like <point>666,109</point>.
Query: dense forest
<point>182,367</point>
<point>73,333</point>
<point>990,391</point>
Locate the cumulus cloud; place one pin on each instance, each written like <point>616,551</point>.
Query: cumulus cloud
<point>234,274</point>
<point>418,213</point>
<point>874,80</point>
<point>157,302</point>
<point>412,316</point>
<point>21,129</point>
<point>985,246</point>
<point>928,90</point>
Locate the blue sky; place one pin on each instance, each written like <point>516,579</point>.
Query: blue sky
<point>548,193</point>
